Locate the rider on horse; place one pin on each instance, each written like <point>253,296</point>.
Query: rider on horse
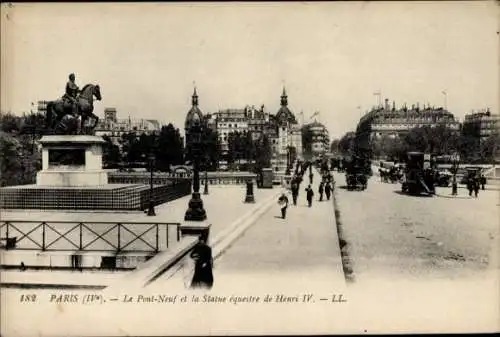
<point>71,94</point>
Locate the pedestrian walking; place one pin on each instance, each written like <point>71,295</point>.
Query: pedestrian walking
<point>454,186</point>
<point>483,181</point>
<point>470,186</point>
<point>328,190</point>
<point>202,255</point>
<point>476,187</point>
<point>295,191</point>
<point>309,195</point>
<point>310,178</point>
<point>283,202</point>
<point>320,190</point>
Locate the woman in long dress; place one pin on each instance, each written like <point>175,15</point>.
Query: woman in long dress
<point>202,256</point>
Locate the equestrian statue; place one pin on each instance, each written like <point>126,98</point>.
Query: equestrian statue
<point>73,113</point>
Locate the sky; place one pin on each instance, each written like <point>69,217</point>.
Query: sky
<point>331,57</point>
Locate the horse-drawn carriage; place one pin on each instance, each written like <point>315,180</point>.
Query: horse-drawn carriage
<point>356,174</point>
<point>392,174</point>
<point>443,178</point>
<point>417,179</point>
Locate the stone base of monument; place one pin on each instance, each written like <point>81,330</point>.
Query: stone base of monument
<point>72,178</point>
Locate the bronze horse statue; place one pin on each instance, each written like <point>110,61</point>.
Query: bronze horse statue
<point>62,119</point>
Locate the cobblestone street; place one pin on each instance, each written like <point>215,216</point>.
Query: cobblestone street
<point>393,235</point>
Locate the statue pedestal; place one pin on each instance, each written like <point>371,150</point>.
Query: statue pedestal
<point>72,161</point>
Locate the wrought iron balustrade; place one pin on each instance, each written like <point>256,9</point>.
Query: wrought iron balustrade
<point>87,236</point>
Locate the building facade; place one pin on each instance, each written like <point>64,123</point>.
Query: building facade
<point>281,128</point>
<point>42,107</point>
<point>283,132</point>
<point>386,120</point>
<point>114,127</point>
<point>320,139</point>
<point>484,122</point>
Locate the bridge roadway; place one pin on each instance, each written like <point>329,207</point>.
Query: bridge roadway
<point>397,236</point>
<point>299,252</point>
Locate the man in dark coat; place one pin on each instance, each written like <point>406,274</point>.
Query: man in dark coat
<point>320,190</point>
<point>476,186</point>
<point>470,185</point>
<point>202,255</point>
<point>454,186</point>
<point>309,195</point>
<point>328,190</point>
<point>295,191</point>
<point>283,202</point>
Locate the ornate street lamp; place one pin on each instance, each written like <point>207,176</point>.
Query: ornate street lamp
<point>151,210</point>
<point>455,160</point>
<point>195,211</point>
<point>205,190</point>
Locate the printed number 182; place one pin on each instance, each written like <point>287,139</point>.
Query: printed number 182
<point>28,298</point>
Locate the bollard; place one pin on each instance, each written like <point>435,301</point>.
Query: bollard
<point>249,198</point>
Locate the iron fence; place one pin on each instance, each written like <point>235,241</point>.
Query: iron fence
<point>118,237</point>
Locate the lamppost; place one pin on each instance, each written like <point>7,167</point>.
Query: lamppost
<point>205,190</point>
<point>455,160</point>
<point>151,210</point>
<point>195,211</point>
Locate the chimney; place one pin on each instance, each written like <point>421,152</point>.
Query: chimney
<point>393,105</point>
<point>418,106</point>
<point>386,104</point>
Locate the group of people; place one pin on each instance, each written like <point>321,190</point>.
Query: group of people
<point>473,185</point>
<point>326,188</point>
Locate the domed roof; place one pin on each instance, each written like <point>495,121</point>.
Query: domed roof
<point>194,116</point>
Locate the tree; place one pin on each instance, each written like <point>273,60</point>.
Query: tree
<point>346,143</point>
<point>18,163</point>
<point>490,149</point>
<point>10,123</point>
<point>130,148</point>
<point>307,140</point>
<point>211,149</point>
<point>170,148</point>
<point>234,144</point>
<point>469,144</point>
<point>334,146</point>
<point>111,155</point>
<point>263,151</point>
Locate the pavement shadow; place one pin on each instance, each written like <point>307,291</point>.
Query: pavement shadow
<point>344,187</point>
<point>454,196</point>
<point>414,195</point>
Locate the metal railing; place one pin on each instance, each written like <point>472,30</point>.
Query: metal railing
<point>161,178</point>
<point>118,237</point>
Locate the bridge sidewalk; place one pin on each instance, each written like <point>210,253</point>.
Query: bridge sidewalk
<point>301,251</point>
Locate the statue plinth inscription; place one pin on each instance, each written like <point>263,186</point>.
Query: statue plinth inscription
<point>71,161</point>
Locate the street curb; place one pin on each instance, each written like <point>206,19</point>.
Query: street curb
<point>224,243</point>
<point>227,237</point>
<point>344,245</point>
